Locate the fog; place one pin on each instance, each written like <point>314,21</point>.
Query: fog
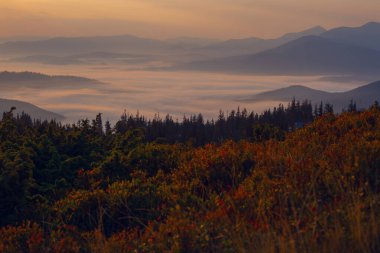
<point>155,92</point>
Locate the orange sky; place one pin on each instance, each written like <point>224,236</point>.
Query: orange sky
<point>171,18</point>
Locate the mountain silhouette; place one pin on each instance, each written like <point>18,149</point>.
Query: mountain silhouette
<point>286,94</point>
<point>32,110</point>
<point>367,35</point>
<point>86,58</point>
<point>19,80</point>
<point>254,45</point>
<point>310,55</point>
<point>79,45</point>
<point>364,96</point>
<point>49,51</point>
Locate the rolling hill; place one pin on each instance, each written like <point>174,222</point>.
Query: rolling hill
<point>364,96</point>
<point>32,110</point>
<point>17,80</point>
<point>286,94</point>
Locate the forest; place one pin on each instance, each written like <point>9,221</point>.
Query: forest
<point>296,178</point>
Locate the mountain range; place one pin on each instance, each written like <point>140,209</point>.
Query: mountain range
<point>68,46</point>
<point>364,96</point>
<point>309,55</point>
<point>367,36</point>
<point>339,51</point>
<point>86,58</point>
<point>64,46</point>
<point>254,45</point>
<point>315,51</point>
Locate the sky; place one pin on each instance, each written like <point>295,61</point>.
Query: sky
<point>162,19</point>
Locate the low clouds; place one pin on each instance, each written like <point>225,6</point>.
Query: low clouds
<point>177,93</point>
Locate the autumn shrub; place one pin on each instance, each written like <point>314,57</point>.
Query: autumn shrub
<point>27,237</point>
<point>316,190</point>
<point>215,168</point>
<point>123,204</point>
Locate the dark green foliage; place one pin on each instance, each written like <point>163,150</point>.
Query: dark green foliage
<point>236,125</point>
<point>142,186</point>
<point>40,161</point>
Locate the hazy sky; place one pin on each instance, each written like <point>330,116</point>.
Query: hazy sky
<point>171,18</point>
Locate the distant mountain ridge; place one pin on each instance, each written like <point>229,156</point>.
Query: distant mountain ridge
<point>192,42</point>
<point>367,35</point>
<point>21,76</point>
<point>286,94</point>
<point>66,46</point>
<point>254,45</point>
<point>79,45</point>
<point>309,55</point>
<point>315,51</point>
<point>36,80</point>
<point>364,96</point>
<point>30,109</point>
<point>80,59</point>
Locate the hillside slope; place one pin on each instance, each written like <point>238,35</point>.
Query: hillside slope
<point>316,191</point>
<point>311,55</point>
<point>254,45</point>
<point>367,36</point>
<point>364,96</point>
<point>32,110</point>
